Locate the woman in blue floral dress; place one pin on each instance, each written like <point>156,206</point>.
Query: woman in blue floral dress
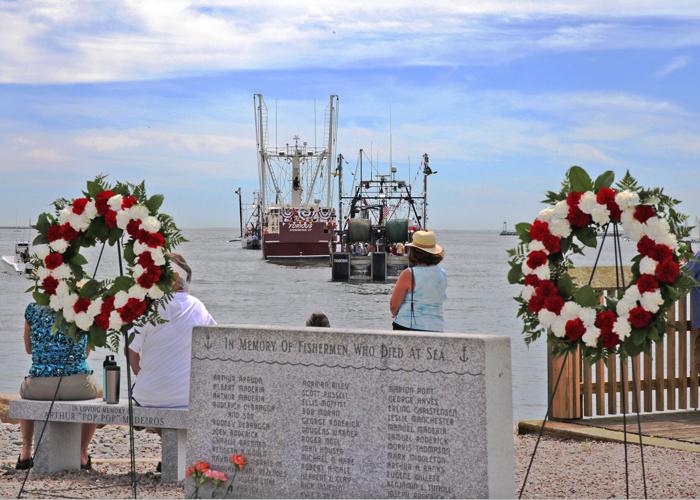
<point>53,355</point>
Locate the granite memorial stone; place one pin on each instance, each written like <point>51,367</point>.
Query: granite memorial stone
<point>324,412</point>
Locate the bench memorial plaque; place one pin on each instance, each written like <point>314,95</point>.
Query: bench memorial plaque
<point>324,412</point>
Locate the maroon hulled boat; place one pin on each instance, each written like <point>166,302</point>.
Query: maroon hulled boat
<point>294,179</point>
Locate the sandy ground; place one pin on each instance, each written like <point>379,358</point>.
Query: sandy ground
<point>562,469</point>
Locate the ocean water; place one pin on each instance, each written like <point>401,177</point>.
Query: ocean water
<point>237,286</point>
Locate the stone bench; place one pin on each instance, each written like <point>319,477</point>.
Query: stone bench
<point>60,446</point>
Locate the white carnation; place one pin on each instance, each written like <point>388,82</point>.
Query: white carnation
<point>571,310</point>
<point>120,299</point>
<point>546,214</point>
<point>115,202</point>
<point>42,273</point>
<point>83,321</point>
<point>123,219</point>
<point>600,214</point>
<point>94,308</point>
<point>115,320</point>
<point>622,328</point>
<point>546,318</point>
<point>587,202</point>
<point>590,338</point>
<point>140,248</point>
<point>62,272</point>
<point>627,217</point>
<point>156,293</point>
<point>90,211</point>
<point>560,228</point>
<point>62,291</point>
<point>79,222</point>
<point>647,266</point>
<point>634,231</point>
<point>657,229</point>
<point>623,307</point>
<point>137,270</point>
<point>55,302</point>
<point>670,241</point>
<point>536,245</point>
<point>526,293</point>
<point>587,315</point>
<point>561,210</point>
<point>60,245</point>
<point>137,292</point>
<point>64,215</point>
<point>651,301</point>
<point>69,312</point>
<point>559,327</point>
<point>151,224</point>
<point>41,250</point>
<point>541,272</point>
<point>626,199</point>
<point>139,212</point>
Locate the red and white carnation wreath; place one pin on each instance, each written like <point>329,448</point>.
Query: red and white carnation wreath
<point>104,214</point>
<point>575,316</point>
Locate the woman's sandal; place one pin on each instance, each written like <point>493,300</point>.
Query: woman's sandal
<point>25,464</point>
<point>87,465</point>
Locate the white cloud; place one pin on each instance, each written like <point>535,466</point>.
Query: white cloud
<point>678,62</point>
<point>71,41</point>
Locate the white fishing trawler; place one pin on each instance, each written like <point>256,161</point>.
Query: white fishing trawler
<point>20,260</point>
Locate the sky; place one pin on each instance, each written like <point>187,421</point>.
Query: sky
<point>504,96</point>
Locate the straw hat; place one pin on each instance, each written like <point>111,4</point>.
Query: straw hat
<point>426,241</point>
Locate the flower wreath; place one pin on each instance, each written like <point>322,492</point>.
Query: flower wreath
<point>103,214</point>
<point>549,300</point>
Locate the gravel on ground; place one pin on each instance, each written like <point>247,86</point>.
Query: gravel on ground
<point>562,469</point>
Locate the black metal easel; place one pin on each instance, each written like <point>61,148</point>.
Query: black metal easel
<point>129,391</point>
<point>619,287</point>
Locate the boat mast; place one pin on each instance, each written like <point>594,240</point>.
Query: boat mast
<point>258,104</point>
<point>240,210</point>
<point>332,123</point>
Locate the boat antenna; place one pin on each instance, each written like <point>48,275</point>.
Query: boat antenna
<point>314,124</point>
<point>390,141</point>
<point>276,127</point>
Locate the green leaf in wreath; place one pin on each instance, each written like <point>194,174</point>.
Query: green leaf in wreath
<point>523,230</point>
<point>90,289</point>
<point>515,274</point>
<point>586,296</point>
<point>587,236</point>
<point>579,179</point>
<point>101,232</point>
<point>40,240</point>
<point>129,254</point>
<point>685,280</point>
<point>114,235</point>
<point>123,283</point>
<point>639,335</point>
<point>154,202</point>
<point>566,286</point>
<point>78,260</point>
<point>77,271</point>
<point>41,298</point>
<point>99,338</point>
<point>93,188</point>
<point>605,179</point>
<point>42,224</point>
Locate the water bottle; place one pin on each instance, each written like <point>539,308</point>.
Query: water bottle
<point>111,375</point>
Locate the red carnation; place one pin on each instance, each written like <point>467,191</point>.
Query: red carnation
<point>606,196</point>
<point>49,285</point>
<point>573,199</point>
<point>102,321</point>
<point>145,260</point>
<point>609,339</point>
<point>53,260</point>
<point>132,310</point>
<point>605,320</point>
<point>150,277</point>
<point>546,288</point>
<point>640,317</point>
<point>577,218</point>
<point>647,283</point>
<point>574,329</point>
<point>133,227</point>
<point>81,305</point>
<point>101,201</point>
<point>107,305</point>
<point>643,213</point>
<point>530,279</point>
<point>54,233</point>
<point>552,244</point>
<point>662,253</point>
<point>128,202</point>
<point>79,205</point>
<point>539,230</point>
<point>68,233</point>
<point>646,247</point>
<point>554,303</point>
<point>667,271</point>
<point>111,219</point>
<point>534,259</point>
<point>156,240</point>
<point>535,304</point>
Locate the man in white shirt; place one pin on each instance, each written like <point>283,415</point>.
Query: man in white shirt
<point>160,355</point>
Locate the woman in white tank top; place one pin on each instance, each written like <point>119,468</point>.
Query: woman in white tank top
<point>420,292</point>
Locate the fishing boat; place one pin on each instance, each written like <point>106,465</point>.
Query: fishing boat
<point>250,231</point>
<point>20,260</point>
<point>296,190</point>
<point>383,213</point>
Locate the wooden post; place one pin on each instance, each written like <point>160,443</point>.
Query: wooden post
<point>567,400</point>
